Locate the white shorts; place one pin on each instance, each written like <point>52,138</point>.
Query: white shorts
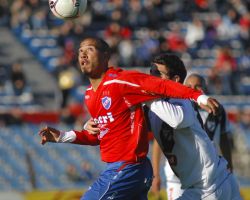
<point>173,184</point>
<point>223,189</point>
<point>173,190</point>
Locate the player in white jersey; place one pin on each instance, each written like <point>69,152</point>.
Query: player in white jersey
<point>192,156</point>
<point>218,129</point>
<point>217,126</point>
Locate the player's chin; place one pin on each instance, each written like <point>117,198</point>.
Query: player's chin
<point>85,71</point>
<point>83,68</point>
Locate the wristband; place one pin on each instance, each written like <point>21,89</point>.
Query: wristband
<point>66,137</point>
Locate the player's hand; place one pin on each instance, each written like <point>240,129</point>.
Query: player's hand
<point>212,106</point>
<point>49,134</point>
<point>91,127</point>
<point>156,186</point>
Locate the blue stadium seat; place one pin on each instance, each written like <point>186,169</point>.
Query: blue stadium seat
<point>47,53</point>
<point>26,36</point>
<point>16,141</point>
<point>37,44</point>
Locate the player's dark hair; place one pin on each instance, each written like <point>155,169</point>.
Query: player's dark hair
<point>100,44</point>
<point>173,63</point>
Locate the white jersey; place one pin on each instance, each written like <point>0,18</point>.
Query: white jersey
<point>216,125</point>
<point>189,150</point>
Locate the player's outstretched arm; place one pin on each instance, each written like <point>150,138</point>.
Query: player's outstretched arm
<point>139,87</point>
<point>49,134</point>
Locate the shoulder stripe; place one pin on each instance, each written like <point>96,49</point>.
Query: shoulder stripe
<point>120,82</point>
<point>89,88</point>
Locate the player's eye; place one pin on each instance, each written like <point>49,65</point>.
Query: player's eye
<point>90,49</point>
<point>198,87</point>
<point>154,70</point>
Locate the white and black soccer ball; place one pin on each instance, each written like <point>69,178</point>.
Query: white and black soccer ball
<point>68,9</point>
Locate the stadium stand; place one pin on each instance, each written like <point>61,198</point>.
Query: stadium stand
<point>136,31</point>
<point>26,165</point>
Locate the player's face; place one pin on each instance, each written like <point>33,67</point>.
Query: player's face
<point>90,59</point>
<point>194,83</point>
<point>160,70</point>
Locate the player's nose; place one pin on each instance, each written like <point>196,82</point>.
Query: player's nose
<point>82,53</point>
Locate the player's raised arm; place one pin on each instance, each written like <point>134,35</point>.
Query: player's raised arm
<point>140,87</point>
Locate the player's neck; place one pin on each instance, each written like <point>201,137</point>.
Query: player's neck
<point>95,82</point>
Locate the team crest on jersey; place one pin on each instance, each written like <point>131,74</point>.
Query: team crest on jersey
<point>106,102</point>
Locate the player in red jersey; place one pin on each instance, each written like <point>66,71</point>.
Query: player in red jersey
<point>114,102</point>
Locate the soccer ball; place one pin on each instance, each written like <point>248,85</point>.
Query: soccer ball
<point>68,9</point>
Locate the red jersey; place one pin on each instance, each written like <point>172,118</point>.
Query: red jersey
<point>116,107</point>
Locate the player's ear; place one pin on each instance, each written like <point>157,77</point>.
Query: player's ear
<point>176,78</point>
<point>106,56</point>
